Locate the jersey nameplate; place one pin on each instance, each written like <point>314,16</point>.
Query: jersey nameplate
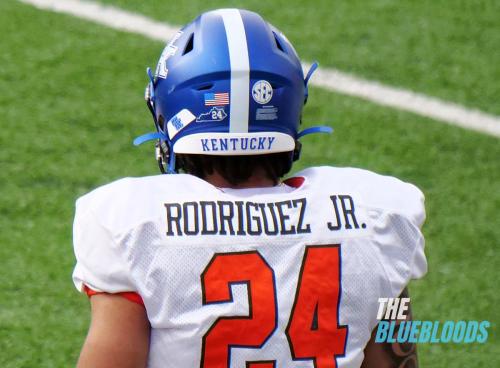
<point>255,218</point>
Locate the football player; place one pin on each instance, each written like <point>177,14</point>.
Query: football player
<point>223,264</point>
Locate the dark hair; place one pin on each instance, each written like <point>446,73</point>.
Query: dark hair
<point>236,169</point>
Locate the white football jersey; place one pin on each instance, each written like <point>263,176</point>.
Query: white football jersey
<point>287,276</point>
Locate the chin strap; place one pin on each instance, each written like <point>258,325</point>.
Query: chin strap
<point>312,69</point>
<point>163,154</point>
<point>316,129</point>
<point>165,159</point>
<point>149,137</point>
<point>312,130</point>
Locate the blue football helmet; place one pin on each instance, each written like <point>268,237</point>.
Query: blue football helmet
<point>228,83</point>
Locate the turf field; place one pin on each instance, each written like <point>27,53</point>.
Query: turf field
<point>71,103</point>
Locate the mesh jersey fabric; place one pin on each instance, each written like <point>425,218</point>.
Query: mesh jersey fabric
<point>121,244</point>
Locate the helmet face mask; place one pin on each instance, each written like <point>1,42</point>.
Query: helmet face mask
<point>228,83</point>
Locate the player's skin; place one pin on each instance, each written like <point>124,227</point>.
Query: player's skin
<point>119,331</point>
<point>391,355</point>
<point>118,335</point>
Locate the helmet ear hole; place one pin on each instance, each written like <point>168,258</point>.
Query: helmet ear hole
<point>189,45</point>
<point>278,43</point>
<point>161,124</point>
<point>205,87</point>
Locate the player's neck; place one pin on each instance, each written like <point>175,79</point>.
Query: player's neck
<point>257,180</point>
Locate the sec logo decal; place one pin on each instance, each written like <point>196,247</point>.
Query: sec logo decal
<point>262,92</point>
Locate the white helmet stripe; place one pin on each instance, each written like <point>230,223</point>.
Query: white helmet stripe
<point>240,70</point>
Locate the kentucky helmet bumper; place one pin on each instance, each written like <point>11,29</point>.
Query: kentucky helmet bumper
<point>231,144</point>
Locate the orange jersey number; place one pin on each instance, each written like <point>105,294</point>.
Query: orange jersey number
<point>313,331</point>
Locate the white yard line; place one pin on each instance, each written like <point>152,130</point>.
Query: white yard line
<point>109,16</point>
<point>329,79</point>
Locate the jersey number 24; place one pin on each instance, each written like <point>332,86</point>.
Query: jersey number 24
<point>313,331</point>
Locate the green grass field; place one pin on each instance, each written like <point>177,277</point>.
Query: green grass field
<point>71,102</point>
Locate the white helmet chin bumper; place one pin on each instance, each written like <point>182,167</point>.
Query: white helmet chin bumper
<point>231,144</point>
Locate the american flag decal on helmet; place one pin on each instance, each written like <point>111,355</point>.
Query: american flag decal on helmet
<point>216,99</point>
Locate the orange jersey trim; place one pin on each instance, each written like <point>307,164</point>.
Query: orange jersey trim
<point>295,181</point>
<point>129,295</point>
